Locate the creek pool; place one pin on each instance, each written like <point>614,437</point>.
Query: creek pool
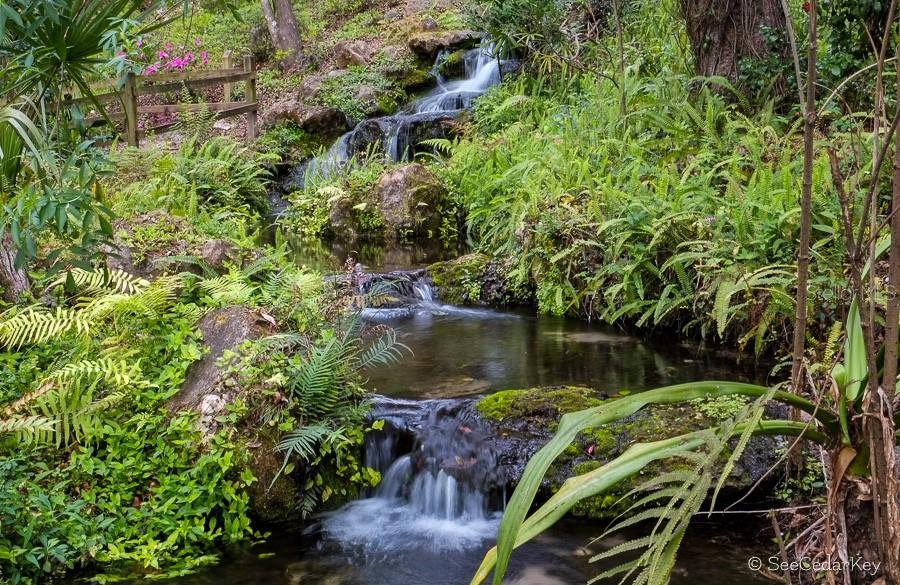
<point>427,533</point>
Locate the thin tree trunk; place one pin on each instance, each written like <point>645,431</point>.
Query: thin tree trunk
<point>809,128</point>
<point>892,315</point>
<point>620,39</point>
<point>284,30</point>
<point>14,281</point>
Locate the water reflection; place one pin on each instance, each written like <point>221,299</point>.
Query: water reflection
<point>463,353</point>
<point>559,557</point>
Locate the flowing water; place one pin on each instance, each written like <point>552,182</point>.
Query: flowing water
<point>438,506</point>
<point>439,503</point>
<point>398,136</point>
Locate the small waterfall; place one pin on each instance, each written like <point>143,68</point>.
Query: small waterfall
<point>424,291</point>
<point>397,136</point>
<point>482,70</point>
<point>440,488</point>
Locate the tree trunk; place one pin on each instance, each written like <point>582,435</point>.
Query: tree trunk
<point>284,30</point>
<point>13,281</point>
<point>724,32</point>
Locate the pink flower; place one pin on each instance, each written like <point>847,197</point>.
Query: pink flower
<point>151,69</point>
<point>120,54</point>
<point>198,41</point>
<point>169,46</point>
<point>140,42</point>
<point>162,54</point>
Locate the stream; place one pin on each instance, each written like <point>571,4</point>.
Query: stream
<point>438,506</point>
<point>430,521</point>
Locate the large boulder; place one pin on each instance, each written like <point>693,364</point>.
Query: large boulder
<point>409,200</point>
<point>427,44</point>
<point>207,382</point>
<point>209,388</point>
<point>316,120</point>
<point>216,253</point>
<point>523,421</point>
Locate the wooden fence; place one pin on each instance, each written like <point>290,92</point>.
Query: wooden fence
<point>140,85</point>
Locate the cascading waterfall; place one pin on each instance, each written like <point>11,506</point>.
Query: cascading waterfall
<point>398,135</point>
<point>440,487</point>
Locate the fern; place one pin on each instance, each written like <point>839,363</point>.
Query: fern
<point>227,290</point>
<point>65,407</point>
<point>36,325</point>
<point>95,281</point>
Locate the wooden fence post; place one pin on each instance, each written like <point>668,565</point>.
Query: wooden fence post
<point>229,87</point>
<point>250,95</point>
<point>131,109</point>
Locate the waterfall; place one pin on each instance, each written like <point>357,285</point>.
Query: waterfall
<point>440,485</point>
<point>398,135</point>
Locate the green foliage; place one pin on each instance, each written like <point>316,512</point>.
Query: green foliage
<point>196,125</point>
<point>544,32</point>
<point>341,92</point>
<point>150,497</point>
<point>348,193</point>
<point>323,388</point>
<point>681,215</point>
<point>362,25</point>
<point>218,174</point>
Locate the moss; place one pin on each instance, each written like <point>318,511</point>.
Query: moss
<point>537,411</point>
<point>459,281</point>
<point>549,403</point>
<point>415,79</point>
<point>290,142</point>
<point>500,405</point>
<point>453,65</point>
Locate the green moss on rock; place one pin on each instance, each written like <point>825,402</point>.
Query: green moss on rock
<point>532,415</point>
<point>548,404</point>
<point>459,281</point>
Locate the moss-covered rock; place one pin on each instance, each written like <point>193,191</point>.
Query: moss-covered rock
<point>477,279</point>
<point>525,420</point>
<point>401,203</point>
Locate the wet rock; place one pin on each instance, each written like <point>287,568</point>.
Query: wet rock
<point>409,199</point>
<point>525,420</point>
<point>370,100</point>
<point>316,120</point>
<point>348,53</point>
<point>427,44</point>
<point>476,279</point>
<point>366,133</point>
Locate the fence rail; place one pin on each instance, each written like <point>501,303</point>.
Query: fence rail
<point>139,85</point>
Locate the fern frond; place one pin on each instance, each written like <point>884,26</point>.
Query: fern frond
<point>104,280</point>
<point>386,351</point>
<point>34,326</point>
<point>227,290</point>
<point>28,430</point>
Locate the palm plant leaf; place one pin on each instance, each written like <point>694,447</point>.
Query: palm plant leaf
<point>511,527</point>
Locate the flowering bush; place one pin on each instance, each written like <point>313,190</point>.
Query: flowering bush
<point>170,57</point>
